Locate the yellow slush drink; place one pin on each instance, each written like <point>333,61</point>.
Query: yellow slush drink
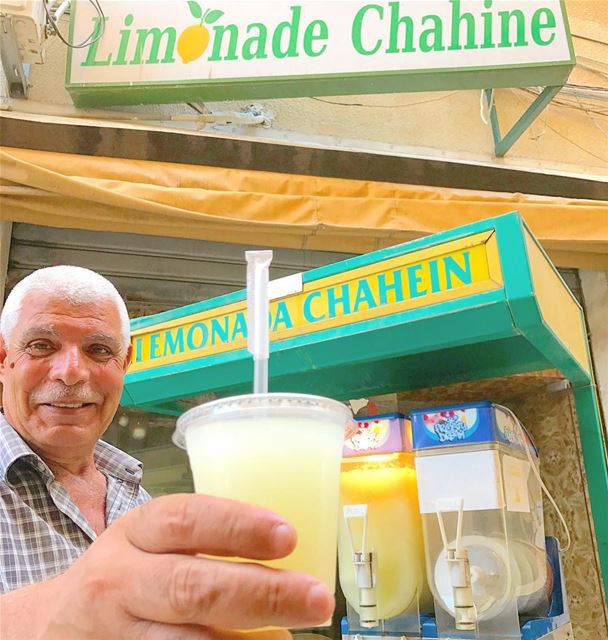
<point>387,484</point>
<point>280,451</point>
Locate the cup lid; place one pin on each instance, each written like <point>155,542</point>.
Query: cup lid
<point>228,407</point>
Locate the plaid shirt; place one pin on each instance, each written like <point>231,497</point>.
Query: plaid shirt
<point>42,531</point>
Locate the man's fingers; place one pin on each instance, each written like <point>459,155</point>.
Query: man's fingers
<point>168,584</point>
<point>144,630</point>
<point>223,594</point>
<point>190,523</point>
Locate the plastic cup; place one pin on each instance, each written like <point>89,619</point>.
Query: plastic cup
<point>278,450</point>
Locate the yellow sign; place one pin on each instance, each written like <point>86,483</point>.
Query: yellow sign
<point>456,269</point>
<point>557,305</point>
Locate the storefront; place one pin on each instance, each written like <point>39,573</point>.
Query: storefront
<point>476,312</point>
<point>70,187</point>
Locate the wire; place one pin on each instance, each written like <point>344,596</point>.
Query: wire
<point>63,7</point>
<point>525,438</point>
<point>570,105</point>
<point>592,64</point>
<point>588,112</point>
<point>604,42</point>
<point>481,113</point>
<point>587,86</point>
<point>561,135</point>
<point>196,108</point>
<point>91,39</point>
<point>537,136</point>
<point>384,106</point>
<point>572,94</point>
<point>568,95</point>
<point>597,124</point>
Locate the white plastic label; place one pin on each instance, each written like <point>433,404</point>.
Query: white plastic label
<point>473,477</point>
<point>515,474</point>
<point>283,287</point>
<point>355,510</point>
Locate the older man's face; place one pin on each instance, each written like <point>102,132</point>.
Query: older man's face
<point>63,372</point>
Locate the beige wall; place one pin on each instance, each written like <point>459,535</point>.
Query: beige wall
<point>551,418</point>
<point>595,292</point>
<point>5,244</point>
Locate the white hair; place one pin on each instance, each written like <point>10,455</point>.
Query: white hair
<point>75,285</point>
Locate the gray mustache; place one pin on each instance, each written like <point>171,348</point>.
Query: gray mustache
<point>54,394</point>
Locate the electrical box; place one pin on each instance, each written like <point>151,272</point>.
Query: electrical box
<point>28,20</point>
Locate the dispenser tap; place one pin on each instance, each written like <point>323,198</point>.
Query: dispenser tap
<point>465,616</point>
<point>365,568</point>
<point>465,613</point>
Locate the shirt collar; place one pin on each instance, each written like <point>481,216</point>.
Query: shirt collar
<point>117,463</point>
<point>13,448</point>
<point>109,459</point>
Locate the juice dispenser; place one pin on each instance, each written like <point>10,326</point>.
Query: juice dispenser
<point>380,551</point>
<point>481,504</point>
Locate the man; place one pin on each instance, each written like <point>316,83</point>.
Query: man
<point>84,553</point>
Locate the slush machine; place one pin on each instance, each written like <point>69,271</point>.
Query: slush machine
<point>380,549</point>
<point>442,532</point>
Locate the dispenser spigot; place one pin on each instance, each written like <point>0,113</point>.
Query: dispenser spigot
<point>365,572</point>
<point>457,556</point>
<point>465,616</point>
<point>365,568</point>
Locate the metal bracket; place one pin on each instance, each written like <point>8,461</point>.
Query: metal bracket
<point>11,59</point>
<point>503,144</point>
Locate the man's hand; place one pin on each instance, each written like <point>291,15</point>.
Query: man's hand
<point>141,579</point>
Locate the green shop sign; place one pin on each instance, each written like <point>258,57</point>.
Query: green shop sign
<point>183,50</point>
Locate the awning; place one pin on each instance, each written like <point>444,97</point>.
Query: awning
<point>275,209</point>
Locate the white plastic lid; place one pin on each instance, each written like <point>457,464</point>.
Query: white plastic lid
<point>265,404</point>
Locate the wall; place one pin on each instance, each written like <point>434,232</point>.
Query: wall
<point>5,243</point>
<point>595,293</point>
<point>551,418</point>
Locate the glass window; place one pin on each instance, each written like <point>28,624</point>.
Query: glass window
<point>147,437</point>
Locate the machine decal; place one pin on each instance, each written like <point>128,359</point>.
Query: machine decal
<point>451,425</point>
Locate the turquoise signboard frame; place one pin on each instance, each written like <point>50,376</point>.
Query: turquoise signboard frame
<point>475,302</point>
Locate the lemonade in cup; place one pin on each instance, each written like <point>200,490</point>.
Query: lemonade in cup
<point>281,451</point>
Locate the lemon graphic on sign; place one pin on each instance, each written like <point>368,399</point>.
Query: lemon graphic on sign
<point>193,40</point>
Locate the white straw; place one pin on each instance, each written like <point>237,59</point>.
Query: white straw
<point>258,263</point>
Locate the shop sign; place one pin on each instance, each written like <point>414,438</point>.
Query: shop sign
<point>449,271</point>
<point>181,50</point>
